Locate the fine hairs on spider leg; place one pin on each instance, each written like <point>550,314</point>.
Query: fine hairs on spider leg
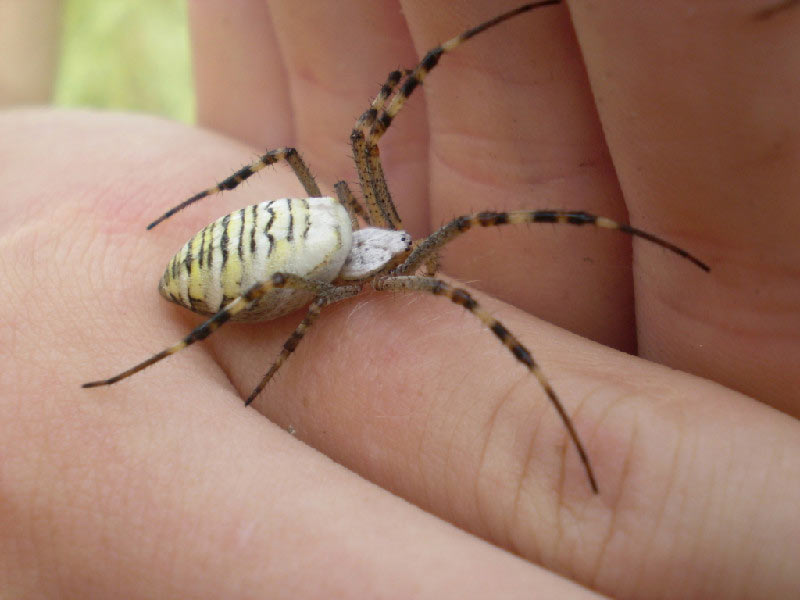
<point>270,259</point>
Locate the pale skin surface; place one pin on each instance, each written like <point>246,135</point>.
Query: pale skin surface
<point>164,486</point>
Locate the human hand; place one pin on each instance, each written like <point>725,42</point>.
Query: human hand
<point>166,473</point>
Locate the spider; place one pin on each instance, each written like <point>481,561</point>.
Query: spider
<point>269,259</point>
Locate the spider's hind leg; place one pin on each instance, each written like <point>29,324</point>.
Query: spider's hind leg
<point>520,352</point>
<point>324,292</point>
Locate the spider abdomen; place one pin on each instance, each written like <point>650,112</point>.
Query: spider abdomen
<point>308,237</point>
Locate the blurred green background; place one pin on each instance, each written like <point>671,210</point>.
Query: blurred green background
<point>126,54</point>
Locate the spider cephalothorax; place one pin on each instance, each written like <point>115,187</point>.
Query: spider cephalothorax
<point>269,259</point>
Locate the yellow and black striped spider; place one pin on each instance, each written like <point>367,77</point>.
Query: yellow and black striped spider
<point>269,259</point>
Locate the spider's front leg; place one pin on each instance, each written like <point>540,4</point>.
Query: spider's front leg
<point>433,243</point>
<point>378,118</point>
<point>381,211</point>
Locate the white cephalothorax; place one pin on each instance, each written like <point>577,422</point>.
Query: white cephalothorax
<point>373,249</point>
<point>269,259</point>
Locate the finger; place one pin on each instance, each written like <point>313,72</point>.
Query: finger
<point>709,159</point>
<point>513,126</point>
<point>695,481</point>
<point>240,78</point>
<point>337,56</point>
<point>169,476</point>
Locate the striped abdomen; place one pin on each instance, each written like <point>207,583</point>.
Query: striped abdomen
<point>309,237</point>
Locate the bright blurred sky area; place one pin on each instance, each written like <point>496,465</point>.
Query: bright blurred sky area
<point>126,55</point>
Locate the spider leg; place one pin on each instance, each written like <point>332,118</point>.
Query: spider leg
<point>434,242</point>
<point>378,119</point>
<point>290,155</point>
<point>367,118</point>
<point>329,292</point>
<point>381,209</point>
<point>463,298</point>
<point>289,346</point>
<point>431,59</point>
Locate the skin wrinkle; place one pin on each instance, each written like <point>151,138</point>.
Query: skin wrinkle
<point>164,553</point>
<point>454,461</point>
<point>730,469</point>
<point>779,452</point>
<point>684,500</point>
<point>749,540</point>
<point>675,538</point>
<point>483,521</point>
<point>429,430</point>
<point>562,504</point>
<point>36,518</point>
<point>426,433</point>
<point>636,579</point>
<point>515,516</point>
<point>594,569</point>
<point>776,9</point>
<point>555,173</point>
<point>501,401</point>
<point>625,474</point>
<point>707,510</point>
<point>288,81</point>
<point>448,507</point>
<point>660,514</point>
<point>669,301</point>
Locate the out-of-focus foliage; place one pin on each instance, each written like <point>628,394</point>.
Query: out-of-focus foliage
<point>125,54</point>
